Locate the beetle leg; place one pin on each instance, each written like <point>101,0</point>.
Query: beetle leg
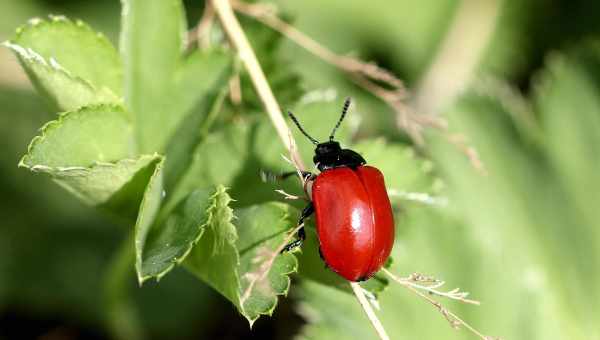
<point>308,210</point>
<point>268,176</point>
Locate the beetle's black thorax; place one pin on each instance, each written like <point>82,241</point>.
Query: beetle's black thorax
<point>330,155</point>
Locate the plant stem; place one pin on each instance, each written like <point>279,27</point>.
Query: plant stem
<point>238,39</point>
<point>369,311</point>
<point>240,42</point>
<point>121,318</point>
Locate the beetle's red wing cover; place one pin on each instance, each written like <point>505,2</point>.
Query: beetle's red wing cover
<point>384,233</point>
<point>354,220</point>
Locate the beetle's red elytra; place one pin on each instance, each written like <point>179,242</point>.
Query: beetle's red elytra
<point>354,218</point>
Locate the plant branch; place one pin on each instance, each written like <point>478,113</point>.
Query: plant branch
<point>201,33</point>
<point>362,299</point>
<point>240,42</point>
<point>367,75</point>
<point>417,283</point>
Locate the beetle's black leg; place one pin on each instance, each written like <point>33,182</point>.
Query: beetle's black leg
<point>308,210</point>
<point>268,176</point>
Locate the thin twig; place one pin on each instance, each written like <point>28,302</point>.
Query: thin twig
<point>420,197</point>
<point>240,42</point>
<point>453,319</point>
<point>201,33</point>
<point>267,265</point>
<point>365,74</point>
<point>362,299</point>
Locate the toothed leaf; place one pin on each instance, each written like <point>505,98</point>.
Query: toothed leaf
<point>171,239</point>
<point>82,138</point>
<point>78,49</point>
<point>61,87</point>
<point>242,262</point>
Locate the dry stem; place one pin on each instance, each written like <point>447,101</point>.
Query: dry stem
<point>362,299</point>
<point>365,74</point>
<point>418,283</point>
<point>240,42</point>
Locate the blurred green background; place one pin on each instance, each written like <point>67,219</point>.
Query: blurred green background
<point>519,79</point>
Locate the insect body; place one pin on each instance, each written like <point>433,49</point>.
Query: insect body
<point>354,219</point>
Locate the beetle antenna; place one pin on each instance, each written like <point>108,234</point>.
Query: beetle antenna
<point>344,111</point>
<point>314,141</point>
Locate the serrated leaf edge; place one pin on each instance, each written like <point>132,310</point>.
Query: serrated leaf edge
<point>66,169</point>
<point>54,124</point>
<point>37,22</point>
<point>149,187</point>
<point>284,218</point>
<point>219,190</point>
<point>29,55</point>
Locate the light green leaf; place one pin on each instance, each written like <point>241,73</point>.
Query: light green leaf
<point>94,134</point>
<point>161,86</point>
<point>264,273</point>
<point>151,44</point>
<point>215,258</point>
<point>194,127</point>
<point>568,100</point>
<point>237,166</point>
<point>98,183</point>
<point>401,167</point>
<point>248,269</point>
<point>65,90</point>
<point>77,48</point>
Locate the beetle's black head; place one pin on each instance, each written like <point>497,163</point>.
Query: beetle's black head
<point>327,153</point>
<point>330,154</point>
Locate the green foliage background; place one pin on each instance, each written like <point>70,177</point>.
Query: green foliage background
<point>523,238</point>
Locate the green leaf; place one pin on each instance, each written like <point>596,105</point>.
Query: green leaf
<point>151,44</point>
<point>402,168</point>
<point>148,211</point>
<point>98,183</point>
<point>248,269</point>
<point>78,49</point>
<point>215,258</point>
<point>161,86</point>
<point>171,239</point>
<point>194,127</point>
<point>94,134</point>
<point>65,90</point>
<point>264,272</point>
<point>283,79</point>
<point>567,97</point>
<point>235,161</point>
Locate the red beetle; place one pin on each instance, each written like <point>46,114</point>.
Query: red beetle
<point>354,217</point>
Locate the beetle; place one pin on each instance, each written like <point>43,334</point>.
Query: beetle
<point>354,219</point>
